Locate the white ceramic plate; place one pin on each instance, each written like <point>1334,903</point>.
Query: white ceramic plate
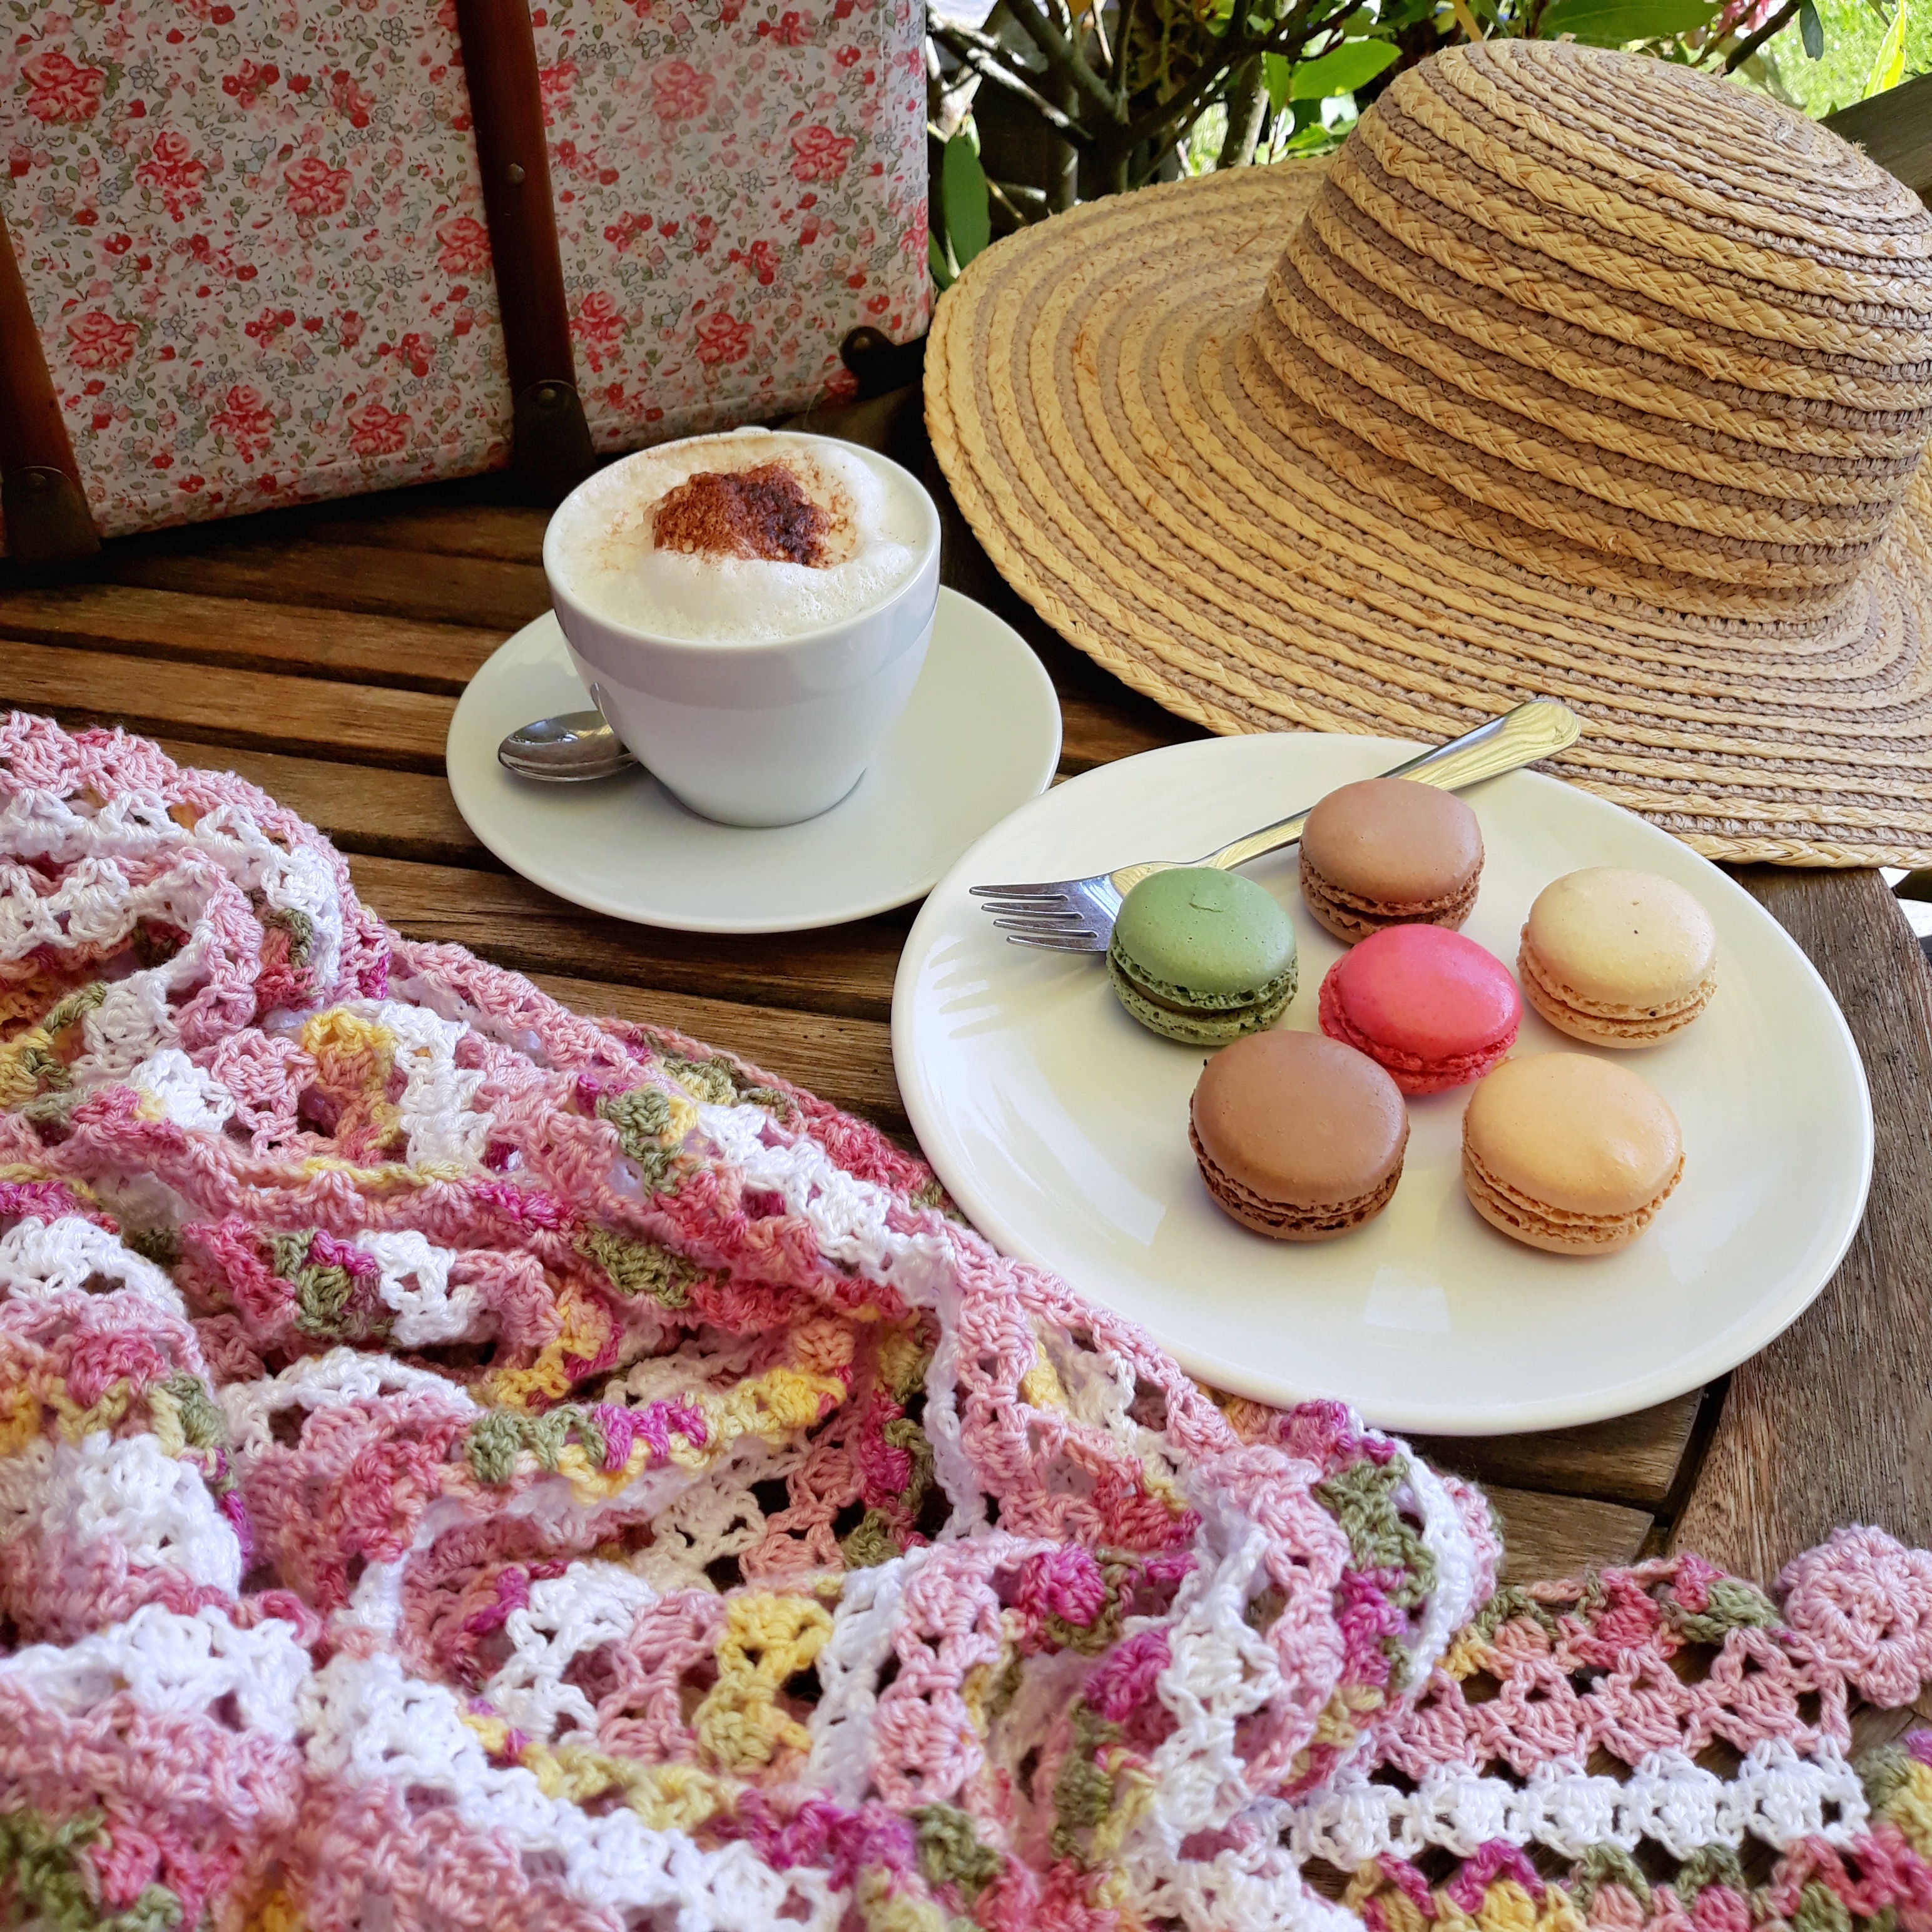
<point>980,736</point>
<point>1060,1126</point>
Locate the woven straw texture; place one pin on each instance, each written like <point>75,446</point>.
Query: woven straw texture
<point>1574,372</point>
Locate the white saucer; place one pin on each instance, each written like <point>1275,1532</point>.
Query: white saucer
<point>980,737</point>
<point>1061,1127</point>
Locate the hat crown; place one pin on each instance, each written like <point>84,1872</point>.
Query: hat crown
<point>1624,324</point>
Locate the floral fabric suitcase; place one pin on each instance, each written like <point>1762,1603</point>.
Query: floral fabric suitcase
<point>284,249</point>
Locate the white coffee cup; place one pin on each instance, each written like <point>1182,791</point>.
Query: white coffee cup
<point>767,732</point>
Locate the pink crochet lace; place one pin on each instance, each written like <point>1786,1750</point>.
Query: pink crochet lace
<point>465,1465</point>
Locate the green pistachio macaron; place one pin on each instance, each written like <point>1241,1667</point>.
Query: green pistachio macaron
<point>1202,956</point>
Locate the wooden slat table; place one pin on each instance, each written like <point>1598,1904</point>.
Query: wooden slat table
<point>320,652</point>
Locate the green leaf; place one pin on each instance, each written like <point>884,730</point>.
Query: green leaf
<point>1811,30</point>
<point>1349,67</point>
<point>935,257</point>
<point>1276,71</point>
<point>962,194</point>
<point>1889,69</point>
<point>1616,23</point>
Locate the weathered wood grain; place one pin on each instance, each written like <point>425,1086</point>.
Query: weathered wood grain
<point>476,592</point>
<point>244,635</point>
<point>845,970</point>
<point>1546,1536</point>
<point>1632,1458</point>
<point>395,815</point>
<point>848,1062</point>
<point>504,533</point>
<point>309,716</point>
<point>1895,129</point>
<point>1832,1423</point>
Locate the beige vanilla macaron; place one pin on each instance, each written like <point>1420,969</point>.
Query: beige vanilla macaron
<point>1617,957</point>
<point>1569,1153</point>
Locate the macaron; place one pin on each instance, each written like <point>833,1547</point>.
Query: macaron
<point>1298,1137</point>
<point>1202,956</point>
<point>1619,958</point>
<point>1569,1153</point>
<point>1390,852</point>
<point>1432,1008</point>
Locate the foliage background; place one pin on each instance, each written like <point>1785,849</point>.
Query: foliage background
<point>1037,103</point>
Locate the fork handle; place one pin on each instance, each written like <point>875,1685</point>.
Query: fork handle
<point>1538,729</point>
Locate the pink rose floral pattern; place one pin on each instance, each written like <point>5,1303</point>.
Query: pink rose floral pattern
<point>252,233</point>
<point>738,183</point>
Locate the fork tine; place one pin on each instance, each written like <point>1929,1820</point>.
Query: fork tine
<point>1030,909</point>
<point>1057,942</point>
<point>1044,889</point>
<point>1063,926</point>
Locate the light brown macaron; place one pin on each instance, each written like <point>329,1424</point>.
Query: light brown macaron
<point>1299,1137</point>
<point>1617,957</point>
<point>1390,852</point>
<point>1569,1153</point>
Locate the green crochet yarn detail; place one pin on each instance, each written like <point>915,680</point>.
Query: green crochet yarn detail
<point>299,927</point>
<point>717,1083</point>
<point>1708,1865</point>
<point>1362,1499</point>
<point>950,1853</point>
<point>202,1420</point>
<point>500,1435</point>
<point>1090,1639</point>
<point>1883,1771</point>
<point>1083,1793</point>
<point>638,1267</point>
<point>1733,1604</point>
<point>1511,1602</point>
<point>49,1074</point>
<point>161,1246</point>
<point>643,1119</point>
<point>873,1541</point>
<point>45,1884</point>
<point>1820,1909</point>
<point>323,1291</point>
<point>1608,1864</point>
<point>64,1012</point>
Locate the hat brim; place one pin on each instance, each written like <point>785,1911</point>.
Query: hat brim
<point>1098,403</point>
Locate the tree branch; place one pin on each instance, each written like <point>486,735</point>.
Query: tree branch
<point>1247,102</point>
<point>988,65</point>
<point>1063,57</point>
<point>1123,45</point>
<point>1743,51</point>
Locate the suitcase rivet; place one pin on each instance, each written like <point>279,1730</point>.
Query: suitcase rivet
<point>515,174</point>
<point>547,394</point>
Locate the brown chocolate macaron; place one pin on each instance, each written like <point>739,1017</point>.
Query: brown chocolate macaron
<point>1390,852</point>
<point>1298,1137</point>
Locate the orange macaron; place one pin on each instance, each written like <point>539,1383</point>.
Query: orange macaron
<point>1568,1152</point>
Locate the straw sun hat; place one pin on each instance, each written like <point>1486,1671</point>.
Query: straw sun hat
<point>1574,372</point>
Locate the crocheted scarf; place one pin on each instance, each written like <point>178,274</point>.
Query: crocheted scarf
<point>466,1464</point>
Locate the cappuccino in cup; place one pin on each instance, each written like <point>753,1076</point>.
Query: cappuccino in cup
<point>750,611</point>
<point>741,538</point>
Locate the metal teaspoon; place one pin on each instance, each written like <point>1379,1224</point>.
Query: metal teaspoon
<point>571,749</point>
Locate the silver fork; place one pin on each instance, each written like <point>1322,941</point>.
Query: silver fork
<point>1077,915</point>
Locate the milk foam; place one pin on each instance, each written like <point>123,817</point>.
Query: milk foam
<point>602,547</point>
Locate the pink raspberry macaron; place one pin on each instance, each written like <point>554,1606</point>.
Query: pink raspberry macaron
<point>1431,1006</point>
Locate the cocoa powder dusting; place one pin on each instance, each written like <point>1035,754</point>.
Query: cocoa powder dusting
<point>763,512</point>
